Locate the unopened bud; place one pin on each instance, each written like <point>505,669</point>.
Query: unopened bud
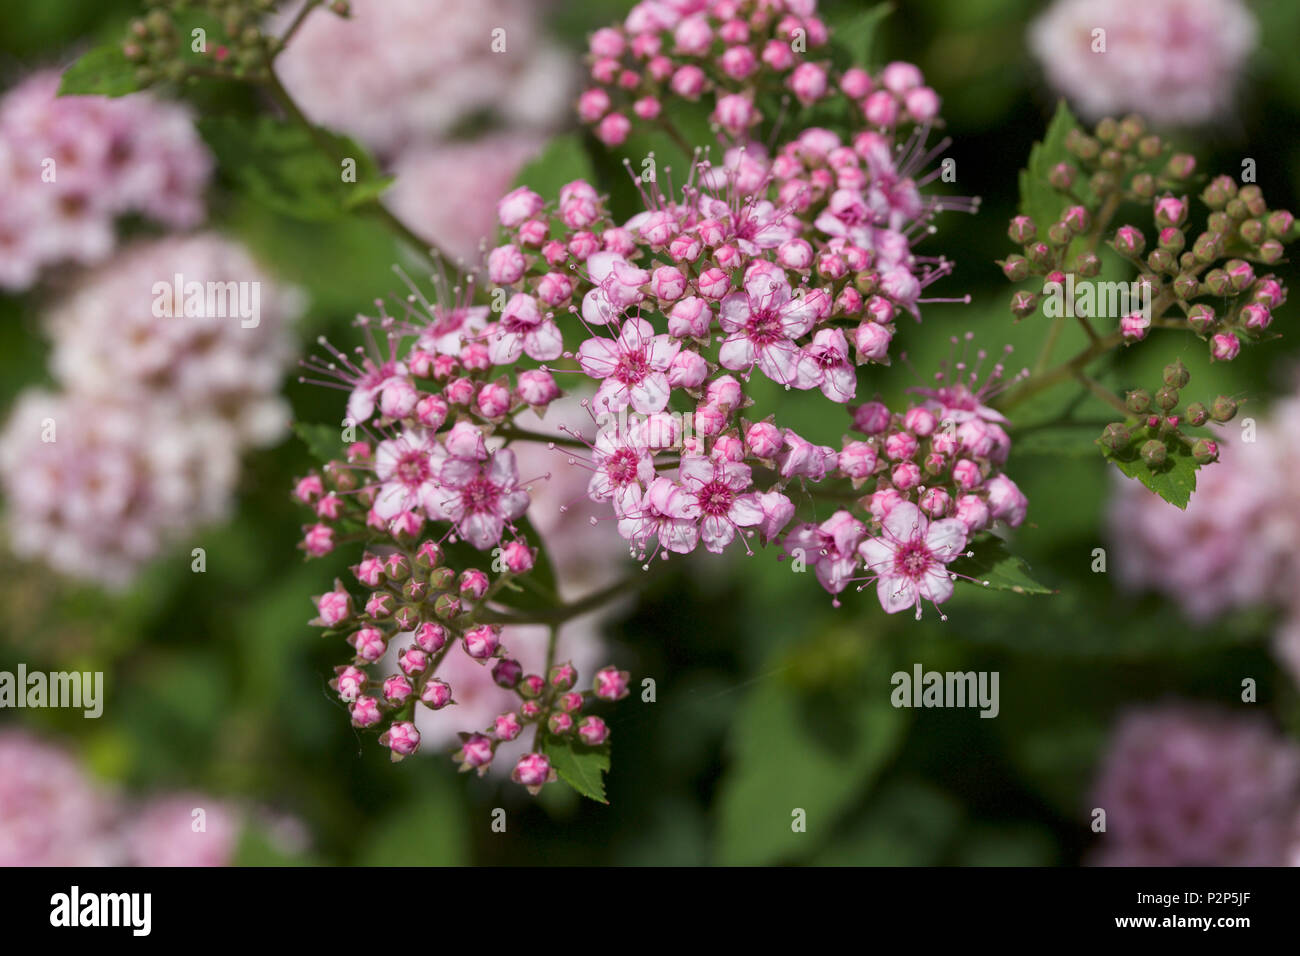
<point>1154,453</point>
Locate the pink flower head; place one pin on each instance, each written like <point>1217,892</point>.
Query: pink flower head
<point>610,683</point>
<point>523,329</point>
<point>407,469</point>
<point>909,558</point>
<point>664,511</point>
<point>721,503</point>
<point>633,367</point>
<point>830,547</point>
<point>836,375</point>
<point>402,738</point>
<point>533,770</point>
<point>332,607</point>
<point>761,325</point>
<point>480,498</point>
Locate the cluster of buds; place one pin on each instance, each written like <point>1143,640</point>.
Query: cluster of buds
<point>1154,429</point>
<point>173,42</point>
<point>416,604</point>
<point>1122,162</point>
<point>746,59</point>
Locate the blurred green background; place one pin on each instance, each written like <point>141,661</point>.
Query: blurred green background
<point>768,699</point>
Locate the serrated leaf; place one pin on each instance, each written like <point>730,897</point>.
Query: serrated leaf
<point>1038,199</point>
<point>325,442</point>
<point>103,71</point>
<point>1003,571</point>
<point>1173,481</point>
<point>289,169</point>
<point>579,766</point>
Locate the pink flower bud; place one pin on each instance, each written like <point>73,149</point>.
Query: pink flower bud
<point>1170,211</point>
<point>517,557</point>
<point>369,643</point>
<point>667,284</point>
<point>688,82</point>
<point>318,540</point>
<point>880,109</point>
<point>412,661</point>
<point>349,683</point>
<point>871,418</point>
<point>935,502</point>
<point>593,731</point>
<point>688,370</point>
<point>493,400</point>
<point>764,439</point>
<point>728,448</point>
<point>713,283</point>
<point>611,683</point>
<point>1134,327</point>
<point>607,41</point>
<point>507,727</point>
<point>647,107</point>
<point>856,83</point>
<point>881,503</point>
<point>533,770</point>
<point>906,475</point>
<point>857,459</point>
<point>396,689</point>
<point>735,113</point>
<point>613,129</point>
<point>873,341</point>
<point>808,83</point>
<point>475,752</point>
<point>506,265</point>
<point>307,489</point>
<point>922,104</point>
<point>332,607</point>
<point>900,446</point>
<point>689,318</point>
<point>593,104</point>
<point>482,642</point>
<point>1224,347</point>
<point>920,421</point>
<point>533,232</point>
<point>473,584</point>
<point>1006,501</point>
<point>520,204</point>
<point>365,712</point>
<point>966,475</point>
<point>436,694</point>
<point>972,512</point>
<point>537,387</point>
<point>901,77</point>
<point>1255,317</point>
<point>430,637</point>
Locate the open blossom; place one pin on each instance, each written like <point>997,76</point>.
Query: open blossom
<point>722,501</point>
<point>1191,786</point>
<point>482,499</point>
<point>70,165</point>
<point>1174,61</point>
<point>633,367</point>
<point>407,468</point>
<point>832,547</point>
<point>761,325</point>
<point>909,560</point>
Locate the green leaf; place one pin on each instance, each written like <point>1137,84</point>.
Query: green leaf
<point>103,71</point>
<point>1173,481</point>
<point>289,169</point>
<point>1038,200</point>
<point>801,748</point>
<point>579,766</point>
<point>857,33</point>
<point>1003,571</point>
<point>325,442</point>
<point>561,162</point>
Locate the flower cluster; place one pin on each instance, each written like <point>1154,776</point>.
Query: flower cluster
<point>52,814</point>
<point>1175,61</point>
<point>1206,276</point>
<point>1154,428</point>
<point>739,57</point>
<point>1189,786</point>
<point>158,398</point>
<point>376,76</point>
<point>70,166</point>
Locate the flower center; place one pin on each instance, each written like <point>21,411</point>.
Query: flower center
<point>764,326</point>
<point>412,469</point>
<point>715,498</point>
<point>632,367</point>
<point>480,495</point>
<point>913,559</point>
<point>621,466</point>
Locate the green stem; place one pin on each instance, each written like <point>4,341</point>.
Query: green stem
<point>558,615</point>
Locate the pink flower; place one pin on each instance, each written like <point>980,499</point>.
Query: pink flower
<point>762,323</point>
<point>523,329</point>
<point>402,738</point>
<point>332,607</point>
<point>720,502</point>
<point>664,511</point>
<point>830,547</point>
<point>622,468</point>
<point>836,375</point>
<point>610,683</point>
<point>1006,501</point>
<point>909,558</point>
<point>480,498</point>
<point>407,469</point>
<point>633,367</point>
<point>533,770</point>
<point>518,205</point>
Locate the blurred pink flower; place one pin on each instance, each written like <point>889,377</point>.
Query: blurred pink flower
<point>1185,786</point>
<point>70,165</point>
<point>1175,61</point>
<point>402,72</point>
<point>448,193</point>
<point>166,831</point>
